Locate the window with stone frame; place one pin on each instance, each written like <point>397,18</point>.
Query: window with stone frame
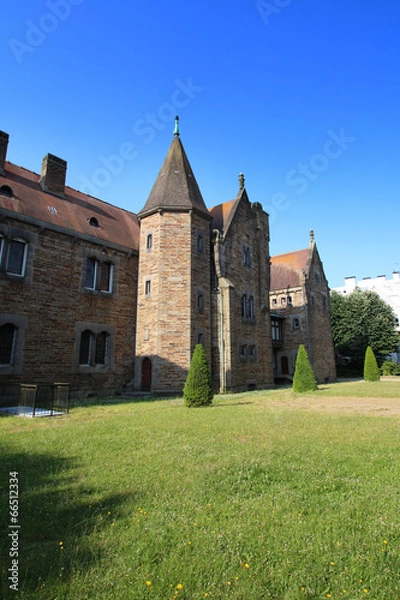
<point>296,323</point>
<point>93,348</point>
<point>200,302</point>
<point>149,241</point>
<point>98,275</point>
<point>16,257</point>
<point>276,330</point>
<point>8,333</point>
<point>147,287</point>
<point>12,333</point>
<point>247,307</point>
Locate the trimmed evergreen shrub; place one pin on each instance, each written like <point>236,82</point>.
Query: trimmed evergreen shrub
<point>371,369</point>
<point>198,390</point>
<point>304,378</point>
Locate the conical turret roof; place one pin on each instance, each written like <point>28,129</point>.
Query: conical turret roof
<point>175,188</point>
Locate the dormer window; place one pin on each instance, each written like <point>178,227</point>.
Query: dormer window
<point>6,191</point>
<point>94,222</point>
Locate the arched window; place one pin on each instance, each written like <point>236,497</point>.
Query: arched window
<point>16,257</point>
<point>85,347</point>
<point>6,191</point>
<point>7,341</point>
<point>100,356</point>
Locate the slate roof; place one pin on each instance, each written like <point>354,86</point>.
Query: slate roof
<point>116,225</point>
<point>288,270</point>
<point>175,187</point>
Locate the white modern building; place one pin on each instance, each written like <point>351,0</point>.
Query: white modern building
<point>388,290</point>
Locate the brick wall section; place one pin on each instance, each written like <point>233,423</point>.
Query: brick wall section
<point>54,303</point>
<point>248,229</point>
<point>168,319</point>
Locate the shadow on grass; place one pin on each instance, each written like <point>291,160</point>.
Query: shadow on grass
<point>62,522</point>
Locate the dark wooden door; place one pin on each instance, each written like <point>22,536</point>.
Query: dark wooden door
<point>284,365</point>
<point>146,375</point>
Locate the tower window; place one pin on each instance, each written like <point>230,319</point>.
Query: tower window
<point>200,302</point>
<point>200,243</point>
<point>149,241</point>
<point>247,256</point>
<point>147,287</point>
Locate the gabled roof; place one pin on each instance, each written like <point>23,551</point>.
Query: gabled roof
<point>72,213</point>
<point>222,214</point>
<point>288,270</point>
<point>175,187</point>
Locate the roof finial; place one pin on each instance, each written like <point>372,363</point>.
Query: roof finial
<point>312,236</point>
<point>241,181</point>
<point>176,130</point>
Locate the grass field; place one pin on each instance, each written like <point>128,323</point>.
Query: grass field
<point>263,495</point>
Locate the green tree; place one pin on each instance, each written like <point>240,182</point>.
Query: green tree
<point>371,369</point>
<point>198,389</point>
<point>359,320</point>
<point>304,378</point>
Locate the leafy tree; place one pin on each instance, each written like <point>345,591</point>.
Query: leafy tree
<point>304,378</point>
<point>198,390</point>
<point>371,369</point>
<point>359,320</point>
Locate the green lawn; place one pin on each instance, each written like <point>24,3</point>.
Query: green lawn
<point>256,497</point>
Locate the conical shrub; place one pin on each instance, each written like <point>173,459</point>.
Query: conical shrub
<point>198,390</point>
<point>304,378</point>
<point>371,369</point>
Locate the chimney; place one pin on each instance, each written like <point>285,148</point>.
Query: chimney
<point>52,179</point>
<point>3,150</point>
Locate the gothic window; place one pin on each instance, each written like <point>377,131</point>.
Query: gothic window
<point>93,348</point>
<point>149,241</point>
<point>85,347</point>
<point>200,339</point>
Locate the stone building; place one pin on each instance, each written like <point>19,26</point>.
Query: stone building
<point>102,299</point>
<point>299,303</point>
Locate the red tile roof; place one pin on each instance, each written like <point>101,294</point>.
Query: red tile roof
<point>73,213</point>
<point>287,269</point>
<point>221,214</point>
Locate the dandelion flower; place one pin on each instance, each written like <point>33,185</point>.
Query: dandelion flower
<point>148,583</point>
<point>246,566</point>
<point>179,586</point>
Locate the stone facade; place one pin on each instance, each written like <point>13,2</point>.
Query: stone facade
<point>300,313</point>
<point>106,300</point>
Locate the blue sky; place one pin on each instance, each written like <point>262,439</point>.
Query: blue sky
<point>302,96</point>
